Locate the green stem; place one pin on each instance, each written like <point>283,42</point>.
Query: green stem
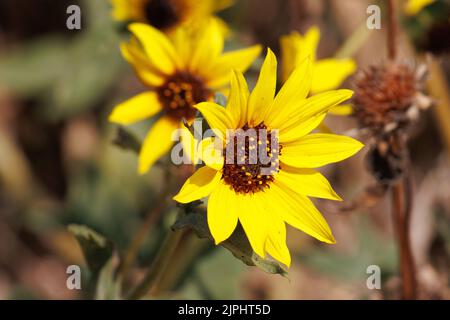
<point>354,42</point>
<point>154,274</point>
<point>150,220</point>
<point>187,252</point>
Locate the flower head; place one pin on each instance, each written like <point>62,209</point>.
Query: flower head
<point>328,74</point>
<point>166,15</point>
<point>266,192</point>
<point>388,96</point>
<point>179,72</point>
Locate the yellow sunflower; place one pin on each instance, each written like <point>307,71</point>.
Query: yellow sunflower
<point>179,72</point>
<point>328,74</point>
<point>167,15</point>
<point>237,188</point>
<point>413,7</point>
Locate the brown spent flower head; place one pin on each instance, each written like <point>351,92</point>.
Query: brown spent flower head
<point>387,96</point>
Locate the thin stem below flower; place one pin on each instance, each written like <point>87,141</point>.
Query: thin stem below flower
<point>392,30</point>
<point>401,204</point>
<point>159,265</point>
<point>150,220</point>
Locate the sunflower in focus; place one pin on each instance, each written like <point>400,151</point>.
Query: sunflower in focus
<point>167,15</point>
<point>265,194</point>
<point>179,72</point>
<point>328,74</point>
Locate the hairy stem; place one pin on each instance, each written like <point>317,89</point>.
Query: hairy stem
<point>401,204</point>
<point>392,29</point>
<point>159,265</point>
<point>150,220</point>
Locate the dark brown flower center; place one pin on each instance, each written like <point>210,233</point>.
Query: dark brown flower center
<point>180,93</point>
<point>251,159</point>
<point>162,14</point>
<point>383,94</point>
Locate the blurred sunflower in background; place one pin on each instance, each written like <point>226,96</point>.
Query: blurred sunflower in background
<point>413,7</point>
<point>263,202</point>
<point>180,72</point>
<point>167,15</point>
<point>328,74</point>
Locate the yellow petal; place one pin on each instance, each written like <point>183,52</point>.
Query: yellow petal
<point>288,46</point>
<point>295,48</point>
<point>413,7</point>
<point>207,47</point>
<point>276,242</point>
<point>311,107</point>
<point>341,110</point>
<point>199,185</point>
<point>239,60</point>
<point>182,46</point>
<point>217,117</point>
<point>309,44</point>
<point>296,132</point>
<point>223,209</point>
<point>307,182</point>
<point>264,91</point>
<point>237,100</point>
<point>158,48</point>
<point>144,69</point>
<point>316,150</point>
<point>300,212</point>
<point>330,73</point>
<point>157,142</point>
<point>323,128</point>
<point>138,108</point>
<point>295,89</point>
<point>255,221</point>
<point>210,151</point>
<point>221,4</point>
<point>122,10</point>
<point>189,144</point>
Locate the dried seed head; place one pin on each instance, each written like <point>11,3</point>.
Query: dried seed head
<point>387,159</point>
<point>387,96</point>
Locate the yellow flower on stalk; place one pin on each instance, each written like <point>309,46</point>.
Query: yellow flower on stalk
<point>265,195</point>
<point>328,74</point>
<point>179,74</point>
<point>167,15</point>
<point>413,7</point>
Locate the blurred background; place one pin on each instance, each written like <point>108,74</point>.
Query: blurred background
<point>58,165</point>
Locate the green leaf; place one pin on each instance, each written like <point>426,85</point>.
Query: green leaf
<point>126,140</point>
<point>33,67</point>
<point>67,75</point>
<point>108,286</point>
<point>97,250</point>
<point>237,243</point>
<point>99,255</point>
